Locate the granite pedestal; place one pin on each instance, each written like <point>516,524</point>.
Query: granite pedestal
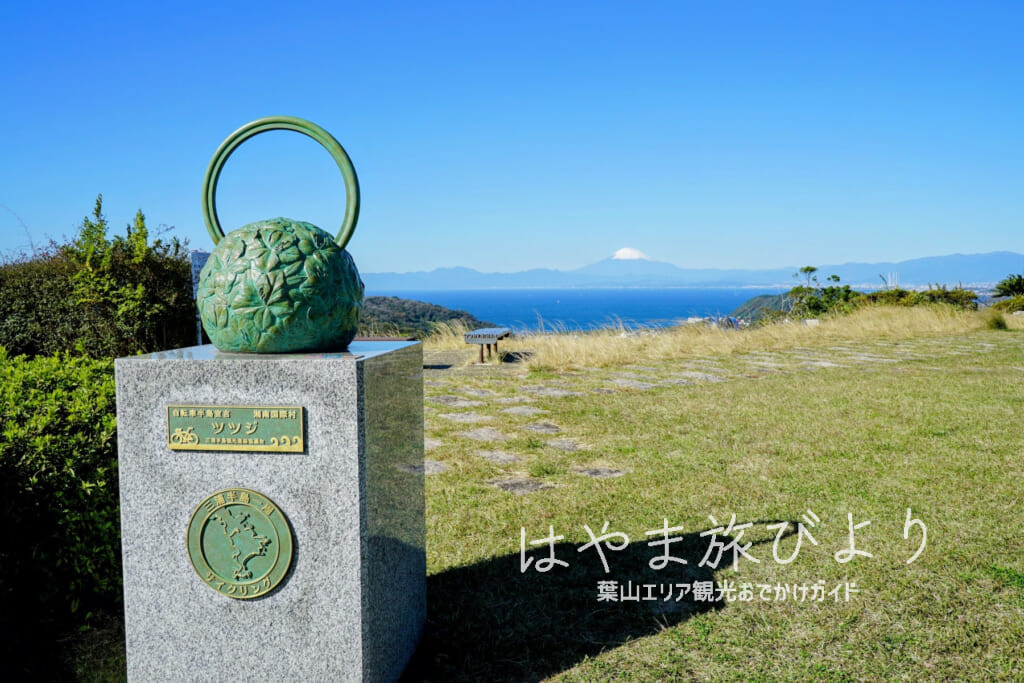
<point>353,603</point>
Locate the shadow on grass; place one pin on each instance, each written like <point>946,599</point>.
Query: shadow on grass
<point>489,621</point>
<point>515,356</point>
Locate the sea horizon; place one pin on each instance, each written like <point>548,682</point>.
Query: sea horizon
<point>587,308</point>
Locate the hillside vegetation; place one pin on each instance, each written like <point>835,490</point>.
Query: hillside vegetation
<point>754,308</point>
<point>392,316</point>
<point>812,299</point>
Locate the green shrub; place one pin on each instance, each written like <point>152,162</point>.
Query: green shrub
<point>99,296</point>
<point>957,297</point>
<point>35,316</point>
<point>891,297</point>
<point>1009,305</point>
<point>994,320</point>
<point>812,300</point>
<point>58,489</point>
<point>1011,285</point>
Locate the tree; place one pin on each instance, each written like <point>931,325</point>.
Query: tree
<point>92,235</point>
<point>808,272</point>
<point>812,299</point>
<point>1011,285</point>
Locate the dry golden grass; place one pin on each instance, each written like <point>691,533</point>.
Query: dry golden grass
<point>608,347</point>
<point>564,349</point>
<point>377,328</point>
<point>447,336</point>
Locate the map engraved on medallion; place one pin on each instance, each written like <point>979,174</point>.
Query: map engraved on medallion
<point>233,528</point>
<point>238,545</point>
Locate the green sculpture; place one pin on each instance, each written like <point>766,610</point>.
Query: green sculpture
<point>280,286</point>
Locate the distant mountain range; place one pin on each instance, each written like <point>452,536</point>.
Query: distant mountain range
<point>975,270</point>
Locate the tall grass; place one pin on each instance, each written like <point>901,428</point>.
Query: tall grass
<point>558,348</point>
<point>378,328</point>
<point>447,336</point>
<point>617,346</point>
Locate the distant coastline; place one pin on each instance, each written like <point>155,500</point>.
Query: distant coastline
<point>586,308</point>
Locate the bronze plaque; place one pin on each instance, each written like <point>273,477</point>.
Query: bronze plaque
<point>277,429</point>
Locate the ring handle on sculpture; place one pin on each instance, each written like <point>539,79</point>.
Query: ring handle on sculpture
<point>348,173</point>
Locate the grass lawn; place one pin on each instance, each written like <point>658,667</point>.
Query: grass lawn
<point>868,428</point>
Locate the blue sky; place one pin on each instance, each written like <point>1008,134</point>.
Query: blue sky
<point>512,135</point>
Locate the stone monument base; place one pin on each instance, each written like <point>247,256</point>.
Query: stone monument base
<point>221,457</point>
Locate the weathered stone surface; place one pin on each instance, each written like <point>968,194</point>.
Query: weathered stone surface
<point>630,375</point>
<point>524,410</point>
<point>554,392</point>
<point>508,400</point>
<point>822,364</point>
<point>455,401</point>
<point>466,418</point>
<point>567,445</point>
<point>357,519</point>
<point>468,391</point>
<point>485,434</point>
<point>543,428</point>
<point>500,457</point>
<point>598,472</point>
<point>631,384</point>
<point>700,376</point>
<point>521,485</point>
<point>710,364</point>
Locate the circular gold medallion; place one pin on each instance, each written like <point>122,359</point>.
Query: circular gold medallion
<point>240,543</point>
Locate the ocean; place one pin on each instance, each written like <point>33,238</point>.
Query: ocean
<point>573,309</point>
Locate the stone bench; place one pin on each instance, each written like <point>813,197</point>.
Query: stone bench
<point>486,337</point>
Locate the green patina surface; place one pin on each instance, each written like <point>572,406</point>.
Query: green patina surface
<point>235,428</point>
<point>240,543</point>
<point>280,286</point>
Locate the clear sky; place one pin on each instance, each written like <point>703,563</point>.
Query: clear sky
<point>511,135</point>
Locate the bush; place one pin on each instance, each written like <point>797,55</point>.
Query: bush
<point>1013,303</point>
<point>813,300</point>
<point>98,296</point>
<point>891,297</point>
<point>58,493</point>
<point>994,320</point>
<point>963,299</point>
<point>1011,285</point>
<point>958,297</point>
